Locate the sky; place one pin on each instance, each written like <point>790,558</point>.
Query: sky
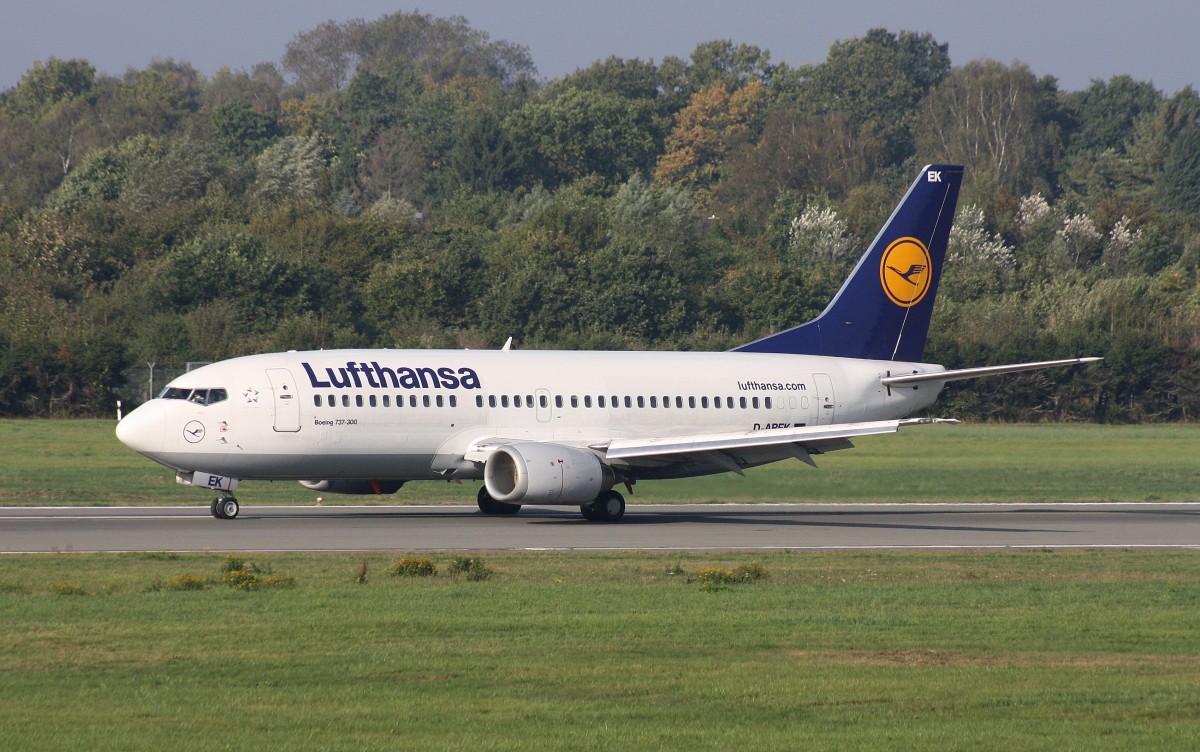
<point>1076,41</point>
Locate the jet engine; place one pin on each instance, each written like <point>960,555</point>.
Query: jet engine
<point>354,486</point>
<point>535,473</point>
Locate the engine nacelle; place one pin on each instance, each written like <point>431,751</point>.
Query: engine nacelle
<point>534,473</point>
<point>354,486</point>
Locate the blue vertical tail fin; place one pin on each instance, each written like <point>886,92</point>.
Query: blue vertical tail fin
<point>883,309</point>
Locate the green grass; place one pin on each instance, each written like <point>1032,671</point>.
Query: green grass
<point>1064,650</point>
<point>81,462</point>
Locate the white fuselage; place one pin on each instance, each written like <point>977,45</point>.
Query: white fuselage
<point>411,414</point>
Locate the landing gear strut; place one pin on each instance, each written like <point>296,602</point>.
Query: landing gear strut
<point>224,507</point>
<point>488,505</point>
<point>609,506</point>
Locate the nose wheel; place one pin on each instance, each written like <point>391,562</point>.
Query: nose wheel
<point>224,507</point>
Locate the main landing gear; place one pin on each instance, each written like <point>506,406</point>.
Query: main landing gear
<point>488,505</point>
<point>609,506</point>
<point>224,507</point>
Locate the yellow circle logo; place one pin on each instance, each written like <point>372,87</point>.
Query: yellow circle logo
<point>906,271</point>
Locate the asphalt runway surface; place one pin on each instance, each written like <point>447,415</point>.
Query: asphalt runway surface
<point>707,527</point>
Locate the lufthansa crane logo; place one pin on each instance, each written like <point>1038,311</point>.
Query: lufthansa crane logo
<point>905,271</point>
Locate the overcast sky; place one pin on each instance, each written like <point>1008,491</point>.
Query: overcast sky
<point>1074,40</point>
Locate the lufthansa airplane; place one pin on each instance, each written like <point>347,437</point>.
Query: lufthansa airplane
<point>566,428</point>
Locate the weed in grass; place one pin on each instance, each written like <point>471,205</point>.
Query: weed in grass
<point>186,582</point>
<point>717,578</point>
<point>239,574</point>
<point>360,577</point>
<point>413,566</point>
<point>14,588</point>
<point>676,570</point>
<point>472,566</point>
<point>68,588</point>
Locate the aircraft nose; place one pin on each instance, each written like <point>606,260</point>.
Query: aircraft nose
<point>144,429</point>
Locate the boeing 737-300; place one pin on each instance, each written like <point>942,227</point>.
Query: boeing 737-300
<point>567,428</point>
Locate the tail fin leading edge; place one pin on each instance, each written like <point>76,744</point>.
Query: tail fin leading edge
<point>883,309</point>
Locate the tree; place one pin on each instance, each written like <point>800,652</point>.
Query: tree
<point>46,84</point>
<point>1179,186</point>
<point>570,133</point>
<point>999,119</point>
<point>878,82</point>
<point>1106,112</point>
<point>713,124</point>
<point>240,131</point>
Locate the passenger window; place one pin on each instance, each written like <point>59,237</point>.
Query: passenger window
<point>517,401</point>
<point>600,401</point>
<point>491,400</point>
<point>358,400</point>
<point>453,401</point>
<point>679,402</point>
<point>478,400</point>
<point>425,400</point>
<point>412,400</point>
<point>692,402</point>
<point>767,402</point>
<point>316,400</point>
<point>345,400</point>
<point>587,400</point>
<point>503,400</point>
<point>574,401</point>
<point>558,402</point>
<point>641,401</point>
<point>371,399</point>
<point>704,402</point>
<point>754,402</point>
<point>729,402</point>
<point>654,402</point>
<point>439,401</point>
<point>332,401</point>
<point>543,401</point>
<point>528,400</point>
<point>387,401</point>
<point>742,401</point>
<point>628,402</point>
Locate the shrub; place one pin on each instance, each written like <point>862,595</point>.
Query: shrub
<point>715,576</point>
<point>472,566</point>
<point>752,572</point>
<point>246,575</point>
<point>412,566</point>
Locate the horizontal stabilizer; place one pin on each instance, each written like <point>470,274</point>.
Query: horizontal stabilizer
<point>974,373</point>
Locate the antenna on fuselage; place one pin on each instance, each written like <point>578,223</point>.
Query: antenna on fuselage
<point>507,345</point>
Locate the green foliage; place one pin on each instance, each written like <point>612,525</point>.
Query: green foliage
<point>417,566</point>
<point>241,574</point>
<point>240,131</point>
<point>474,568</point>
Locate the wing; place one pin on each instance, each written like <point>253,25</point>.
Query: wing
<point>698,454</point>
<point>733,451</point>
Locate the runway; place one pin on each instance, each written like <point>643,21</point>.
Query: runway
<point>747,527</point>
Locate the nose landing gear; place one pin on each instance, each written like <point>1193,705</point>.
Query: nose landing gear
<point>224,508</point>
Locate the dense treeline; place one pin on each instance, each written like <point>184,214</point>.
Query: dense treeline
<point>409,182</point>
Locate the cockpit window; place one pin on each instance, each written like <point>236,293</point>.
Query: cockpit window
<point>197,396</point>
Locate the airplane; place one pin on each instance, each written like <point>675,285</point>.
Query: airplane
<point>567,428</point>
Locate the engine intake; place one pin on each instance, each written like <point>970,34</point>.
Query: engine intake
<point>535,473</point>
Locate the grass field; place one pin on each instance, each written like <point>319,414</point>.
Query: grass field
<point>1036,650</point>
<point>81,462</point>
